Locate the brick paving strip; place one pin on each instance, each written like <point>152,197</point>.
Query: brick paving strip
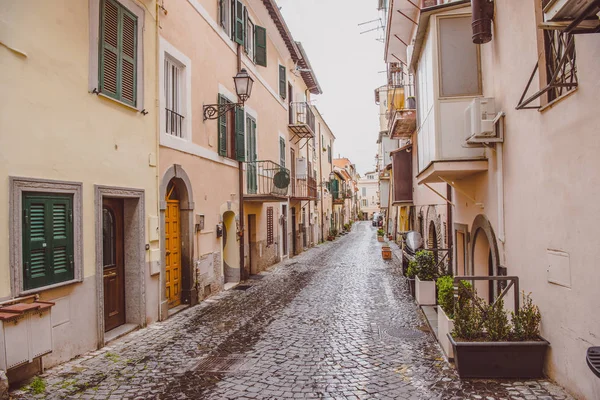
<point>335,322</point>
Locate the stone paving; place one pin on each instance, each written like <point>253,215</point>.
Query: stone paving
<point>336,322</point>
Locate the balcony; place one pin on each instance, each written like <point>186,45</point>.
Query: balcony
<point>266,181</point>
<point>302,121</point>
<point>402,115</point>
<point>303,189</point>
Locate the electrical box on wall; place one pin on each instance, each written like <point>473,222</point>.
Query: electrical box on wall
<point>199,222</point>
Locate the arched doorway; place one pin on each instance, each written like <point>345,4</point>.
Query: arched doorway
<point>231,250</point>
<point>485,257</point>
<point>177,244</point>
<point>172,246</point>
<point>432,239</point>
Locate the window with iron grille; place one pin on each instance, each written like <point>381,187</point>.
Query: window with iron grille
<point>561,71</point>
<point>174,88</point>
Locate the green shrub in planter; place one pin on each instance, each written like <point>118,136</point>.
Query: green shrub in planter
<point>526,322</point>
<point>427,267</point>
<point>412,269</point>
<point>380,232</point>
<point>445,288</point>
<point>495,322</point>
<point>468,318</point>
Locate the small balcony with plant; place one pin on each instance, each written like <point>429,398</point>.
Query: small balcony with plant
<point>266,181</point>
<point>301,121</point>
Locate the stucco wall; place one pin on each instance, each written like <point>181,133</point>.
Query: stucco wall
<point>53,128</point>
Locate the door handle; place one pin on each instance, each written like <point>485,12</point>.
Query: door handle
<point>168,252</point>
<point>110,275</point>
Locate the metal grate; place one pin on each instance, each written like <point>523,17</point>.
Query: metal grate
<point>402,333</point>
<point>593,360</point>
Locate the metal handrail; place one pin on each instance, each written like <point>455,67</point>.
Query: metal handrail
<point>266,177</point>
<point>174,123</point>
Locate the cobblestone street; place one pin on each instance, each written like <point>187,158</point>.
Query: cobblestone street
<point>335,322</point>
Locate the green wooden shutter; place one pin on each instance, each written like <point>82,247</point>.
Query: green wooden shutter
<point>282,152</point>
<point>260,46</point>
<point>335,188</point>
<point>240,25</point>
<point>47,240</point>
<point>128,57</point>
<point>222,129</point>
<point>240,139</point>
<point>118,53</point>
<point>109,49</point>
<point>282,82</point>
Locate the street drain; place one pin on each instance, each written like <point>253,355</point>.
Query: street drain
<point>220,364</point>
<point>242,287</point>
<point>402,333</point>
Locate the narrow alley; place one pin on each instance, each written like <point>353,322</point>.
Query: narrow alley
<point>335,322</point>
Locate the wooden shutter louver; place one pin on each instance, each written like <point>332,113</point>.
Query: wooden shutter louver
<point>240,23</point>
<point>47,240</point>
<point>222,140</point>
<point>128,58</point>
<point>402,172</point>
<point>118,53</point>
<point>282,82</point>
<point>270,236</point>
<point>260,44</point>
<point>240,139</point>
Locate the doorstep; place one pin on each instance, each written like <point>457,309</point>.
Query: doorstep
<point>118,332</point>
<point>230,285</point>
<point>431,316</point>
<point>178,309</point>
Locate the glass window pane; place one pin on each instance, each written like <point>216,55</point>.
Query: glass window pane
<point>108,237</point>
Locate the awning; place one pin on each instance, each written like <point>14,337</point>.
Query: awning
<point>402,18</point>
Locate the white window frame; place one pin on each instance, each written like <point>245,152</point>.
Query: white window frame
<point>228,15</point>
<point>169,52</point>
<point>249,45</point>
<point>94,35</point>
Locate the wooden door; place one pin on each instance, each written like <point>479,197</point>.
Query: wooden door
<point>293,170</point>
<point>285,231</point>
<point>172,249</point>
<point>113,262</point>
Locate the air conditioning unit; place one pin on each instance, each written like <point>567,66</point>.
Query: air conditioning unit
<point>480,121</point>
<point>558,10</point>
<point>301,168</point>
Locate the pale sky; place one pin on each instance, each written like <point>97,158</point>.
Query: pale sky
<point>346,64</point>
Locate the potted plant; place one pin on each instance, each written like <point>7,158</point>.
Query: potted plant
<point>426,275</point>
<point>411,273</point>
<point>487,345</point>
<point>334,232</point>
<point>380,234</point>
<point>445,312</point>
<point>386,252</point>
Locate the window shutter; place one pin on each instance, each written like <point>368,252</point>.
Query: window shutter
<point>222,130</point>
<point>47,240</point>
<point>118,53</point>
<point>109,49</point>
<point>260,43</point>
<point>239,22</point>
<point>128,57</point>
<point>335,188</point>
<point>240,139</point>
<point>282,152</point>
<point>282,82</point>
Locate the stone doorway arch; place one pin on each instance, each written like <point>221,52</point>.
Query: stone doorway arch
<point>485,258</point>
<point>176,178</point>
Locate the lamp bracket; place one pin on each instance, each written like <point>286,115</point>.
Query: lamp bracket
<point>215,111</point>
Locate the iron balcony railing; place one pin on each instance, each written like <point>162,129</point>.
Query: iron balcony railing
<point>174,123</point>
<point>304,188</point>
<point>302,118</point>
<point>266,178</point>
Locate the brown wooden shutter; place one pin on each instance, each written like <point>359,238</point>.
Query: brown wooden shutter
<point>402,171</point>
<point>109,49</point>
<point>128,57</point>
<point>270,239</point>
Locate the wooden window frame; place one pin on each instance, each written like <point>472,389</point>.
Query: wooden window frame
<point>19,186</point>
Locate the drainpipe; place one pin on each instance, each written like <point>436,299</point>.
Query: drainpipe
<point>322,198</point>
<point>449,224</point>
<point>500,183</point>
<point>243,273</point>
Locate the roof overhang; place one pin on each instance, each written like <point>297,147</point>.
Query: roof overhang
<point>308,74</point>
<point>402,17</point>
<point>423,25</point>
<point>449,170</point>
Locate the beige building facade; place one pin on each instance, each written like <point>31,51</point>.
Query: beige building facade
<point>515,172</point>
<point>79,169</point>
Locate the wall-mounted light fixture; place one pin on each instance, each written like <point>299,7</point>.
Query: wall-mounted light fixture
<point>243,88</point>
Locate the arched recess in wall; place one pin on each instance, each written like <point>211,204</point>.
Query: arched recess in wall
<point>485,258</point>
<point>176,193</point>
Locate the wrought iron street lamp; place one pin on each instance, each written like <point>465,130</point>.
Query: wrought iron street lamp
<point>243,87</point>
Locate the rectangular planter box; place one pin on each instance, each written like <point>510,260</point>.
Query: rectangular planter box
<point>519,360</point>
<point>386,253</point>
<point>380,238</point>
<point>445,326</point>
<point>425,292</point>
